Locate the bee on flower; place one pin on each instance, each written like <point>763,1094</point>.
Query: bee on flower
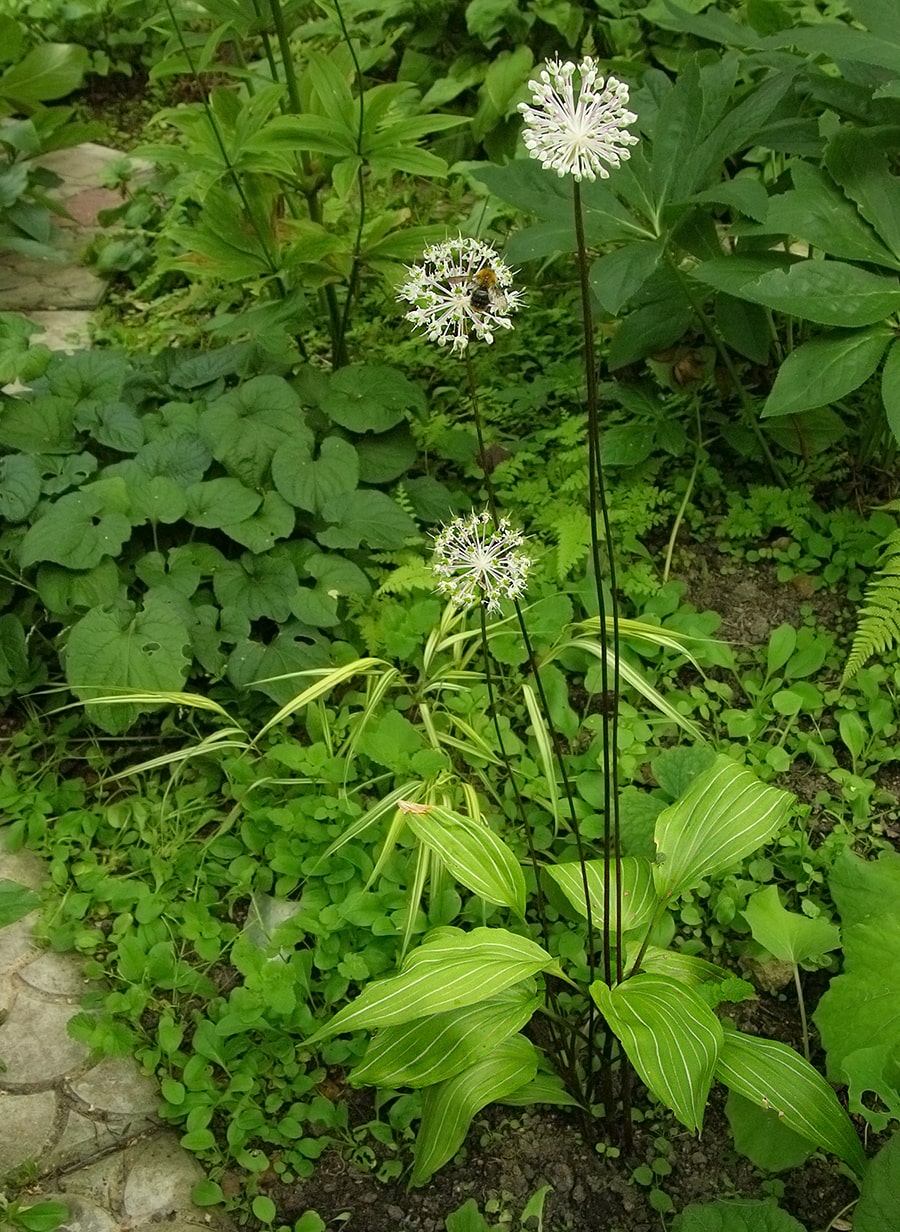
<point>461,289</point>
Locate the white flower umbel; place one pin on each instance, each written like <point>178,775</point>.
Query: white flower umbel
<point>473,562</point>
<point>580,138</point>
<point>442,287</point>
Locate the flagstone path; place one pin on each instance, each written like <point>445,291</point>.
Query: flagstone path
<point>75,1128</point>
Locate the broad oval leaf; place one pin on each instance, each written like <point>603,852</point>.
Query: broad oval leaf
<point>789,935</point>
<point>639,898</point>
<point>775,1076</point>
<point>450,969</point>
<point>828,292</point>
<point>420,1053</point>
<point>726,814</point>
<point>686,968</point>
<point>825,369</point>
<point>449,1106</point>
<point>473,853</point>
<point>671,1036</point>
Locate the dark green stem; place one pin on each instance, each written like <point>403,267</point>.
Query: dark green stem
<point>599,514</point>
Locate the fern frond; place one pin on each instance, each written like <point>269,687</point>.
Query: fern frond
<point>407,578</point>
<point>878,627</point>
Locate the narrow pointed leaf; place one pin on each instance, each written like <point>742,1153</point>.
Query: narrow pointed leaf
<point>473,853</point>
<point>686,968</point>
<point>639,898</point>
<point>671,1036</point>
<point>450,969</point>
<point>775,1076</point>
<point>449,1106</point>
<point>725,815</point>
<point>430,1050</point>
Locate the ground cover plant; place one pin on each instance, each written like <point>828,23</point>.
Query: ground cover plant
<point>592,810</point>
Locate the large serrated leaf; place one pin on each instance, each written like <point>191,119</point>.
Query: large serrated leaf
<point>671,1037</point>
<point>431,1050</point>
<point>473,853</point>
<point>449,1106</point>
<point>826,369</point>
<point>639,899</point>
<point>773,1075</point>
<point>726,815</point>
<point>449,970</point>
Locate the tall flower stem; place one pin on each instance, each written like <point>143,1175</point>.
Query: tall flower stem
<point>599,514</point>
<point>545,708</point>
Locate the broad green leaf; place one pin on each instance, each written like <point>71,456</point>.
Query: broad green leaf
<point>175,454</point>
<point>431,1050</point>
<point>865,888</point>
<point>316,133</point>
<point>157,498</point>
<point>309,484</point>
<point>861,1006</point>
<point>15,672</point>
<point>386,457</point>
<point>744,326</point>
<point>213,503</point>
<point>76,531</point>
<point>123,651</point>
<point>879,1199</point>
<point>259,532</point>
<point>874,1071</point>
<point>686,968</point>
<point>48,71</point>
<point>789,935</point>
<point>890,389</point>
<point>256,586</point>
<point>244,427</point>
<point>369,398</point>
<point>449,1106</point>
<point>42,425</point>
<point>862,162</point>
<point>65,591</point>
<point>726,815</point>
<point>761,1135</point>
<point>450,969</point>
<point>826,369</point>
<point>671,1037</point>
<point>639,898</point>
<point>775,1076</point>
<point>649,329</point>
<point>544,1088</point>
<point>472,853</point>
<point>828,292</point>
<point>16,901</point>
<point>366,517</point>
<point>818,213</point>
<point>41,1216</point>
<point>619,275</point>
<point>20,486</point>
<point>736,1214</point>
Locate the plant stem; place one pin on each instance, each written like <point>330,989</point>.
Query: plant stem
<point>599,512</point>
<point>353,281</point>
<point>338,355</point>
<point>679,516</point>
<point>800,1001</point>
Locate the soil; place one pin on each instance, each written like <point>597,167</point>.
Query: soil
<point>509,1155</point>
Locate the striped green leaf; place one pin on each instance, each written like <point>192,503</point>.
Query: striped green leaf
<point>473,853</point>
<point>725,815</point>
<point>639,898</point>
<point>431,1050</point>
<point>449,1106</point>
<point>686,968</point>
<point>671,1036</point>
<point>544,1088</point>
<point>771,1074</point>
<point>450,969</point>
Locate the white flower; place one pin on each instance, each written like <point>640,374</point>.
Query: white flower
<point>473,562</point>
<point>460,289</point>
<point>578,138</point>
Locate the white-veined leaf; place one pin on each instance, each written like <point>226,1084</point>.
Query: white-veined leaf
<point>430,1050</point>
<point>671,1036</point>
<point>450,969</point>
<point>772,1074</point>
<point>473,853</point>
<point>686,968</point>
<point>449,1106</point>
<point>639,899</point>
<point>726,814</point>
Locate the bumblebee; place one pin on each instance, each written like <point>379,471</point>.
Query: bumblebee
<point>485,288</point>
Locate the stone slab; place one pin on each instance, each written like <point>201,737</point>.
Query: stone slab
<point>54,974</point>
<point>35,1046</point>
<point>161,1176</point>
<point>65,329</point>
<point>84,1215</point>
<point>116,1085</point>
<point>29,1123</point>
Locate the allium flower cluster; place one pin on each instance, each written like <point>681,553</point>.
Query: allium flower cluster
<point>442,287</point>
<point>578,137</point>
<point>474,563</point>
